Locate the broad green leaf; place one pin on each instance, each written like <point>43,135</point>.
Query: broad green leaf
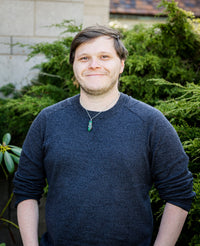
<point>9,162</point>
<point>6,139</point>
<point>1,157</point>
<point>13,146</point>
<point>16,150</point>
<point>15,158</point>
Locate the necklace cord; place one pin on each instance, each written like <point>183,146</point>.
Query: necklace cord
<point>91,118</point>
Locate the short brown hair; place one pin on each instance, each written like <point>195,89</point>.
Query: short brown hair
<point>96,31</point>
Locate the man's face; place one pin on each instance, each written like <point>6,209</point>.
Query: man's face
<point>97,66</point>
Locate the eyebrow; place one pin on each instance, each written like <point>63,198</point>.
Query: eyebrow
<point>100,52</point>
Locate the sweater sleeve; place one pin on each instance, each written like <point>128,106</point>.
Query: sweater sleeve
<point>170,165</point>
<point>29,179</point>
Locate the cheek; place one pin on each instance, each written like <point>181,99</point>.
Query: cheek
<point>77,70</point>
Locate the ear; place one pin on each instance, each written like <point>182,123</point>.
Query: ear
<point>122,66</point>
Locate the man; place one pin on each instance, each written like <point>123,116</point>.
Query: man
<point>101,152</point>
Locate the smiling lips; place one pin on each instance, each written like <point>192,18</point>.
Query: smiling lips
<point>94,74</point>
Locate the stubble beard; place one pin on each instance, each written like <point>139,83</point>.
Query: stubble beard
<point>98,92</point>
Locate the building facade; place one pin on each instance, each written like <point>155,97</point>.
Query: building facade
<point>131,12</point>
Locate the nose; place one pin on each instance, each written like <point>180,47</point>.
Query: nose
<point>94,63</point>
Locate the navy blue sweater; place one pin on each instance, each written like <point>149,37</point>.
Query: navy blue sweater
<point>99,181</point>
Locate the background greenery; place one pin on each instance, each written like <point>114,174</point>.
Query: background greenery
<point>162,70</point>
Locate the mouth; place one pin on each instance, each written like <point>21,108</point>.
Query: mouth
<point>95,74</point>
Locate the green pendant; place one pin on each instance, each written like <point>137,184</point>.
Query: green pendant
<point>89,125</point>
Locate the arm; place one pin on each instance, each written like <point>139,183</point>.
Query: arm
<point>171,225</point>
<point>28,216</point>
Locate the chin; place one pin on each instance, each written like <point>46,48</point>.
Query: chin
<point>95,92</point>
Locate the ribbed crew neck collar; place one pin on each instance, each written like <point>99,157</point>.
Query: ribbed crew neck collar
<point>78,107</point>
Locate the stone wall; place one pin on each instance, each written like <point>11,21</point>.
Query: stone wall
<point>28,21</point>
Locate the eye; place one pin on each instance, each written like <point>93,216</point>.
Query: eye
<point>105,57</point>
<point>83,58</point>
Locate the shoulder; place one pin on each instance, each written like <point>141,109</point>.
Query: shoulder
<point>55,112</point>
<point>60,106</point>
<point>143,111</point>
<point>153,120</point>
<point>67,103</point>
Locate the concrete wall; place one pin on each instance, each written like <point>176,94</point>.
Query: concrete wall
<point>129,21</point>
<point>27,21</point>
<point>96,12</point>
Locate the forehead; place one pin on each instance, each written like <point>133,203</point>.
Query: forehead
<point>99,44</point>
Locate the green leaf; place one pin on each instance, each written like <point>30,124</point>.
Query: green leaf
<point>9,162</point>
<point>1,157</point>
<point>6,139</point>
<point>15,158</point>
<point>16,150</point>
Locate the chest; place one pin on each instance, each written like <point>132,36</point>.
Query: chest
<point>113,147</point>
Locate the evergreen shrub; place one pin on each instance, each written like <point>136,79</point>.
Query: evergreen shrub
<point>168,50</point>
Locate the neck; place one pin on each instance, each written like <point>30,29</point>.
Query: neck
<point>99,102</point>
